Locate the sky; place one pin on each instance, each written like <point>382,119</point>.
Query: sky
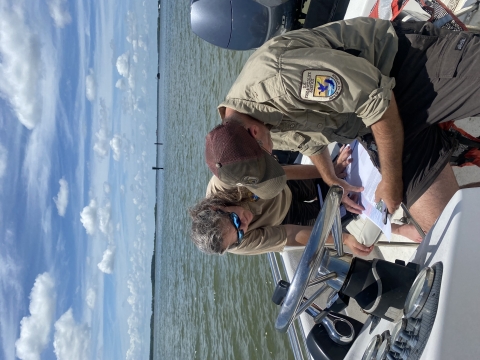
<point>78,107</point>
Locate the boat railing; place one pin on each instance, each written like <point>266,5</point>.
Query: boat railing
<point>295,332</point>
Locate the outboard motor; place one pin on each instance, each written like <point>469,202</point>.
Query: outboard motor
<point>242,24</point>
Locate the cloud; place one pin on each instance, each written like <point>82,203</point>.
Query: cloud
<point>131,81</point>
<point>94,217</point>
<point>71,340</point>
<point>106,265</point>
<point>11,290</point>
<point>59,14</point>
<point>61,200</point>
<point>90,86</point>
<point>101,144</point>
<point>105,219</point>
<point>116,146</point>
<point>21,67</point>
<point>106,188</point>
<point>88,217</point>
<point>3,160</point>
<point>120,84</point>
<point>35,329</point>
<point>123,64</point>
<point>102,136</point>
<point>142,43</point>
<point>91,297</point>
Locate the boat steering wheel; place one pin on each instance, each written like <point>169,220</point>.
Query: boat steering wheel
<point>328,219</point>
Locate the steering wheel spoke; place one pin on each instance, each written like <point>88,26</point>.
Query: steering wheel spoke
<point>310,261</point>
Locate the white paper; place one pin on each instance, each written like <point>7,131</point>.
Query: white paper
<point>362,172</point>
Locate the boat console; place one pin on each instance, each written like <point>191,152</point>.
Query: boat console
<point>423,309</point>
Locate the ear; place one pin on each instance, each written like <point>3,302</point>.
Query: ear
<point>254,130</point>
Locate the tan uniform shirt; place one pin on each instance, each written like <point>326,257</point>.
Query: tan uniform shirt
<point>264,233</point>
<point>316,86</point>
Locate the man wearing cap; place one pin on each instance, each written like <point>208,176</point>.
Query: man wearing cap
<point>297,195</point>
<point>353,79</point>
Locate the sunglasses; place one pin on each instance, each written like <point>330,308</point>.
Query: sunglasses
<point>235,219</point>
<point>237,223</point>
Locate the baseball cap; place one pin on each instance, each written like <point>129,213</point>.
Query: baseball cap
<point>235,157</point>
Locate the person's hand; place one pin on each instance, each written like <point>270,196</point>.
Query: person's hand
<point>357,248</point>
<point>391,192</point>
<point>350,197</point>
<point>343,159</point>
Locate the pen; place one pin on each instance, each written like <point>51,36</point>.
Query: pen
<point>384,212</point>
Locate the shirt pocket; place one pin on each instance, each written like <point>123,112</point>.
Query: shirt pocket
<point>342,128</point>
<point>288,125</point>
<point>316,120</point>
<point>450,53</point>
<point>291,140</point>
<point>298,141</point>
<point>297,120</point>
<point>454,50</point>
<point>268,89</point>
<point>350,128</point>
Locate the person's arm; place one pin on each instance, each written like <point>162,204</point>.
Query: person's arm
<point>388,133</point>
<point>325,167</point>
<point>299,236</point>
<point>303,172</point>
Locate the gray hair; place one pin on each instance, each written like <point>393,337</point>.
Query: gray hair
<point>208,224</point>
<point>207,231</point>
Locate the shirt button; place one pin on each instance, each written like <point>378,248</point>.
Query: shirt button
<point>292,125</point>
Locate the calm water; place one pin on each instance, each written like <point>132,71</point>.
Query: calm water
<point>206,307</point>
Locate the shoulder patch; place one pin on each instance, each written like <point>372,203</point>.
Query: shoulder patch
<point>320,85</point>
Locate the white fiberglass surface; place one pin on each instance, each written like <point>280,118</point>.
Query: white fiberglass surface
<point>357,8</point>
<point>454,242</point>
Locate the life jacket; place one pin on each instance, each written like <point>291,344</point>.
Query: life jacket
<point>440,14</point>
<point>467,152</point>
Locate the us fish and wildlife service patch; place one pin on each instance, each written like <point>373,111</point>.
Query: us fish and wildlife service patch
<point>320,85</point>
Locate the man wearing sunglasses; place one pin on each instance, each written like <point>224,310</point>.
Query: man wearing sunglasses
<point>360,78</point>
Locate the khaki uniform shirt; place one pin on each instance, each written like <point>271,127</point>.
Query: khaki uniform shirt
<point>265,234</point>
<point>316,86</point>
